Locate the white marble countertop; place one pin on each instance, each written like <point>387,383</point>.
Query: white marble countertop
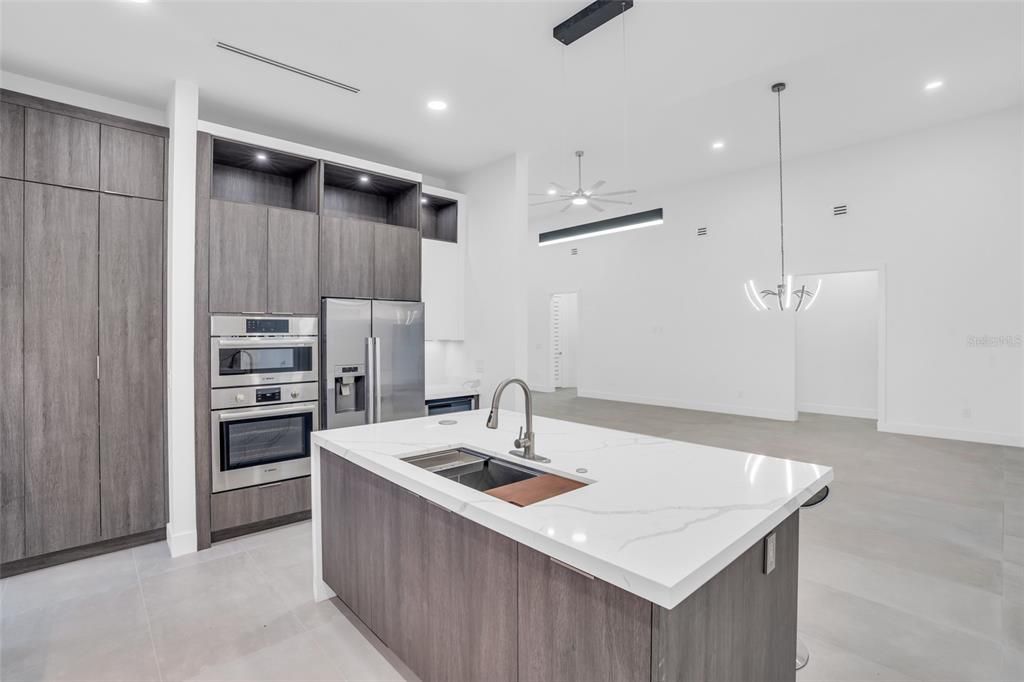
<point>456,390</point>
<point>659,519</point>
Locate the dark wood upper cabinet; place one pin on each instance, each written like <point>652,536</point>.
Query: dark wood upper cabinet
<point>439,218</point>
<point>132,486</point>
<point>356,193</point>
<point>293,241</point>
<point>396,263</point>
<point>61,150</point>
<point>12,140</point>
<point>62,477</point>
<point>238,258</point>
<point>255,175</point>
<point>12,425</point>
<point>131,163</point>
<point>346,257</point>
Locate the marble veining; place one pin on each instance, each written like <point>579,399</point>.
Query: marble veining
<point>658,517</point>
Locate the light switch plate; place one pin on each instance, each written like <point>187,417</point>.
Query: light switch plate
<point>769,554</point>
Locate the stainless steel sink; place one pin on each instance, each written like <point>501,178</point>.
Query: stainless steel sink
<point>472,469</point>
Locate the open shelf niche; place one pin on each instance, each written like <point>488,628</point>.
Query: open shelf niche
<point>439,218</point>
<point>355,193</point>
<point>254,175</point>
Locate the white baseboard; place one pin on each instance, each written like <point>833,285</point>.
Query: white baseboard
<point>182,543</point>
<point>744,411</point>
<point>838,410</point>
<point>988,437</point>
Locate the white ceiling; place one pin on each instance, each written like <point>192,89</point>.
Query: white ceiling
<point>692,73</point>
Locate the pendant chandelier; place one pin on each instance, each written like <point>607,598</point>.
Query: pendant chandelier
<point>786,298</point>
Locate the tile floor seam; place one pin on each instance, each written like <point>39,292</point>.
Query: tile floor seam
<point>270,585</point>
<point>149,622</point>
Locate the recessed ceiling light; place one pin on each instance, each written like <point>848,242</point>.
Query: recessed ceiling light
<point>717,144</point>
<point>579,201</point>
<point>260,156</point>
<point>423,200</point>
<point>552,191</point>
<point>437,105</point>
<point>934,85</point>
<point>364,178</point>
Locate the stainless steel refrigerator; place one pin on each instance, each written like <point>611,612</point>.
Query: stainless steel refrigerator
<point>372,366</point>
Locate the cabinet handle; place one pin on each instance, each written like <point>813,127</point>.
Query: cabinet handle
<point>571,568</point>
<point>271,485</point>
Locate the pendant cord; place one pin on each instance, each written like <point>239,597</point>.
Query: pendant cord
<point>782,232</point>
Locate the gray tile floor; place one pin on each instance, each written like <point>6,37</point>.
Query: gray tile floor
<point>914,570</point>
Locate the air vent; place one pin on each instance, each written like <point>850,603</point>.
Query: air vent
<point>287,67</point>
<point>839,210</point>
<point>574,251</point>
<point>702,231</point>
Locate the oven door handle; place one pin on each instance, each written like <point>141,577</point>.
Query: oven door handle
<point>290,342</point>
<point>232,415</point>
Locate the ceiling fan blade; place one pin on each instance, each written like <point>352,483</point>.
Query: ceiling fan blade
<point>611,201</point>
<point>615,194</point>
<point>553,201</point>
<point>567,207</point>
<point>561,190</point>
<point>594,206</point>
<point>595,186</point>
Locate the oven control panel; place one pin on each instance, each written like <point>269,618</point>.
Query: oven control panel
<point>268,395</point>
<point>250,396</point>
<point>263,325</point>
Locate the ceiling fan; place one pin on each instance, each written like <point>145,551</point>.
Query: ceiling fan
<point>580,196</point>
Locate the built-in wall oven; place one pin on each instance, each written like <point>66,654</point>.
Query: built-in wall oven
<point>264,398</point>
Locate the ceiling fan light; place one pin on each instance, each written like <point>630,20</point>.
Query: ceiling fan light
<point>579,201</point>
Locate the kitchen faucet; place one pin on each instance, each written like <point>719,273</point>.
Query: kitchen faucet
<point>525,441</point>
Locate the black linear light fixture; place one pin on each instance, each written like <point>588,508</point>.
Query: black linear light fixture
<point>623,223</point>
<point>589,18</point>
<point>288,67</point>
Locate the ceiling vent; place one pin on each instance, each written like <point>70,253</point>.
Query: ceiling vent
<point>287,67</point>
<point>574,251</point>
<point>702,232</point>
<point>839,210</point>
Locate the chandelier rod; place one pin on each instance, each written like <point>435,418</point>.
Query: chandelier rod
<point>778,88</point>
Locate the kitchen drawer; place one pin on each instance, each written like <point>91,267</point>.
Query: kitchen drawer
<point>260,504</point>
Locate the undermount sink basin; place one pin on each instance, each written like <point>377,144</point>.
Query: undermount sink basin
<point>472,469</point>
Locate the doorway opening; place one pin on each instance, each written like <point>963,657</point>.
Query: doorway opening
<point>564,326</point>
<point>838,347</point>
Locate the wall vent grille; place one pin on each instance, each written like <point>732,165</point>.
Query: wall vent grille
<point>574,251</point>
<point>839,210</point>
<point>702,231</point>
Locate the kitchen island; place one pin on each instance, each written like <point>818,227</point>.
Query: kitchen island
<point>671,561</point>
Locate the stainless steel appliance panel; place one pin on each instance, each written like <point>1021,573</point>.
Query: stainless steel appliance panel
<point>252,396</point>
<point>254,351</point>
<point>398,366</point>
<point>346,348</point>
<point>243,325</point>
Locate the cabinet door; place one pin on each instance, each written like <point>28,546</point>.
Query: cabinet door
<point>12,433</point>
<point>346,257</point>
<point>293,242</point>
<point>12,140</point>
<point>132,486</point>
<point>238,258</point>
<point>131,163</point>
<point>396,263</point>
<point>61,150</point>
<point>236,508</point>
<point>574,627</point>
<point>62,481</point>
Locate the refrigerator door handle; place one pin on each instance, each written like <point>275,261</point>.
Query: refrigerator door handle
<point>376,380</point>
<point>371,382</point>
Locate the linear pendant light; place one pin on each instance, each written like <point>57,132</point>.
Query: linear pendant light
<point>786,297</point>
<point>633,221</point>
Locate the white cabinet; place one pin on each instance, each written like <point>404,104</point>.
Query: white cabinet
<point>443,284</point>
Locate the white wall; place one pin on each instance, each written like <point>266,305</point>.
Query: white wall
<point>837,347</point>
<point>496,248</point>
<point>663,318</point>
<point>81,98</point>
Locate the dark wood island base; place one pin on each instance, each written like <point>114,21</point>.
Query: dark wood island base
<point>457,601</point>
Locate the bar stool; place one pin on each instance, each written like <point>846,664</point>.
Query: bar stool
<point>803,654</point>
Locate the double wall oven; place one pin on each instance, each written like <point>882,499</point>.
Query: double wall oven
<point>263,398</point>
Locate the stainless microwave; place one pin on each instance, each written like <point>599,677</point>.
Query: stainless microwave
<point>257,351</point>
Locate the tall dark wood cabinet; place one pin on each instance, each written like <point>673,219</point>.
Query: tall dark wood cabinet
<point>82,326</point>
<point>132,365</point>
<point>62,474</point>
<point>396,263</point>
<point>12,415</point>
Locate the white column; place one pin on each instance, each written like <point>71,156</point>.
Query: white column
<point>183,119</point>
